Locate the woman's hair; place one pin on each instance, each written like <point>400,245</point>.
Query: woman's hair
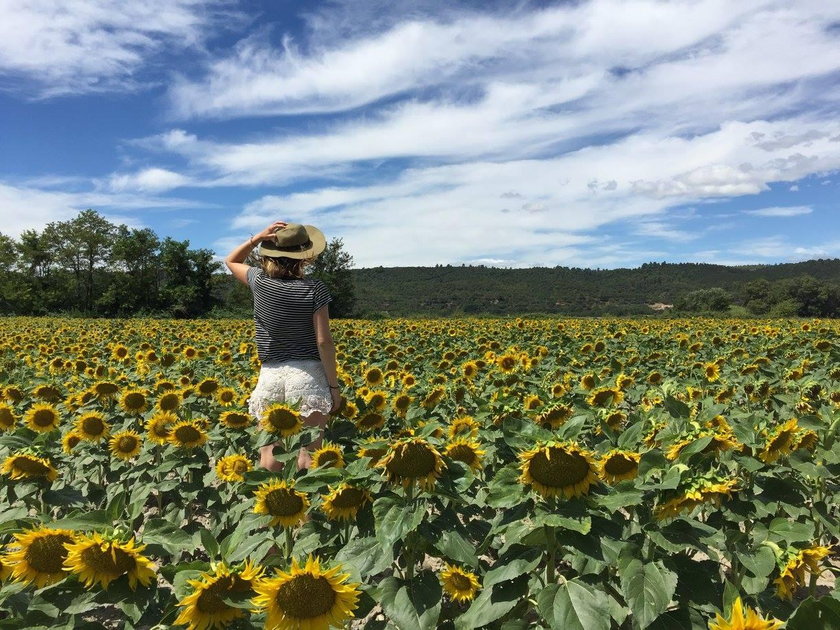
<point>282,267</point>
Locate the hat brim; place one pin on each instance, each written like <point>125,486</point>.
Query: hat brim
<point>319,244</point>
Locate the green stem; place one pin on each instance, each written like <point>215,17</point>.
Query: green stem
<point>551,544</point>
<point>289,543</point>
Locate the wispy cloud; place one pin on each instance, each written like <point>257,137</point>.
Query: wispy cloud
<point>781,211</point>
<point>50,48</point>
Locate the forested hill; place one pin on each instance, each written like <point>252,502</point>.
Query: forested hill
<point>471,290</point>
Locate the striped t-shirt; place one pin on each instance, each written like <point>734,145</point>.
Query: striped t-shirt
<point>283,309</point>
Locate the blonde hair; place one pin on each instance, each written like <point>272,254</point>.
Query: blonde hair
<point>283,267</point>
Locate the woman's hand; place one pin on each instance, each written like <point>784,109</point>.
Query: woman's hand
<point>336,400</point>
<point>268,233</point>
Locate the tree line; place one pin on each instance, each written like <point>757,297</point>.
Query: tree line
<point>89,266</point>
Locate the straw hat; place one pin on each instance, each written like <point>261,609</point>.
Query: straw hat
<point>295,241</point>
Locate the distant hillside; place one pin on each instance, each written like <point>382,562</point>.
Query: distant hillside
<point>443,290</point>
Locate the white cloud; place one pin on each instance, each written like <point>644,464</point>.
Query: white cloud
<point>781,211</point>
<point>147,180</point>
<point>553,44</point>
<point>23,208</point>
<point>77,46</point>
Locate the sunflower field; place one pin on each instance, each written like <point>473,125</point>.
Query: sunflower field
<point>506,474</point>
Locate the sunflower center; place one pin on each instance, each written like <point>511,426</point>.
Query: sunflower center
<point>210,600</point>
<point>327,458</point>
<point>135,401</point>
<point>46,554</point>
<point>283,502</point>
<point>6,417</point>
<point>282,419</point>
<point>239,466</point>
<point>44,417</point>
<point>236,419</point>
<point>412,460</point>
<point>563,469</point>
<point>370,420</point>
<point>462,453</point>
<point>111,561</point>
<point>30,466</point>
<point>187,434</point>
<point>349,498</point>
<point>106,389</point>
<point>460,582</point>
<point>619,465</point>
<point>168,402</point>
<point>126,443</point>
<point>92,425</point>
<point>305,596</point>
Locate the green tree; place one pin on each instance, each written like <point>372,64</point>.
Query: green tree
<point>714,300</point>
<point>134,261</point>
<point>333,268</point>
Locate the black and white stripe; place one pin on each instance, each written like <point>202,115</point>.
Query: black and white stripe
<point>283,309</point>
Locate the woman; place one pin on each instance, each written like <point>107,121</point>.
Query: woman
<point>292,323</point>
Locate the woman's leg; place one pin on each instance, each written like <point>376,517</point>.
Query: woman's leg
<point>267,459</point>
<point>314,419</point>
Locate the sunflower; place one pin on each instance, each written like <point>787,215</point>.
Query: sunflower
<point>42,417</point>
<point>699,491</point>
<point>720,441</point>
<point>187,434</point>
<point>47,393</point>
<point>507,363</point>
<point>105,391</point>
<point>125,444</point>
<point>370,421</point>
<point>554,416</point>
<point>434,397</point>
<point>159,426</point>
<point>286,505</point>
<point>207,387</point>
<point>232,467</point>
<point>226,396</point>
<point>465,426</point>
<point>780,442</point>
<point>133,401</point>
<point>38,556</point>
<point>371,448</point>
<point>411,460</point>
<point>96,558</point>
<point>328,456</point>
<point>13,394</point>
<point>624,381</point>
<point>605,397</point>
<point>459,584</point>
<point>26,466</point>
<point>119,352</point>
<point>466,451</point>
<point>205,607</point>
<point>469,370</point>
<point>168,401</point>
<point>618,465</point>
<point>306,597</point>
<point>401,403</point>
<point>282,419</point>
<point>558,469</point>
<point>374,376</point>
<point>711,371</point>
<point>587,381</point>
<point>376,400</point>
<point>91,426</point>
<point>7,417</point>
<point>654,378</point>
<point>235,419</point>
<point>348,409</point>
<point>743,618</point>
<point>344,502</point>
<point>70,441</point>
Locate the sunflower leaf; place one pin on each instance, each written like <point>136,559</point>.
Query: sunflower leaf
<point>412,606</point>
<point>574,605</point>
<point>647,587</point>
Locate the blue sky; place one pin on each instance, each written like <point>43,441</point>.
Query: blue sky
<point>606,133</point>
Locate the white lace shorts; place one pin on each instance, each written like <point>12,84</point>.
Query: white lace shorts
<point>291,381</point>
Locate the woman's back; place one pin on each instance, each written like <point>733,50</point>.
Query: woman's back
<point>283,309</point>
